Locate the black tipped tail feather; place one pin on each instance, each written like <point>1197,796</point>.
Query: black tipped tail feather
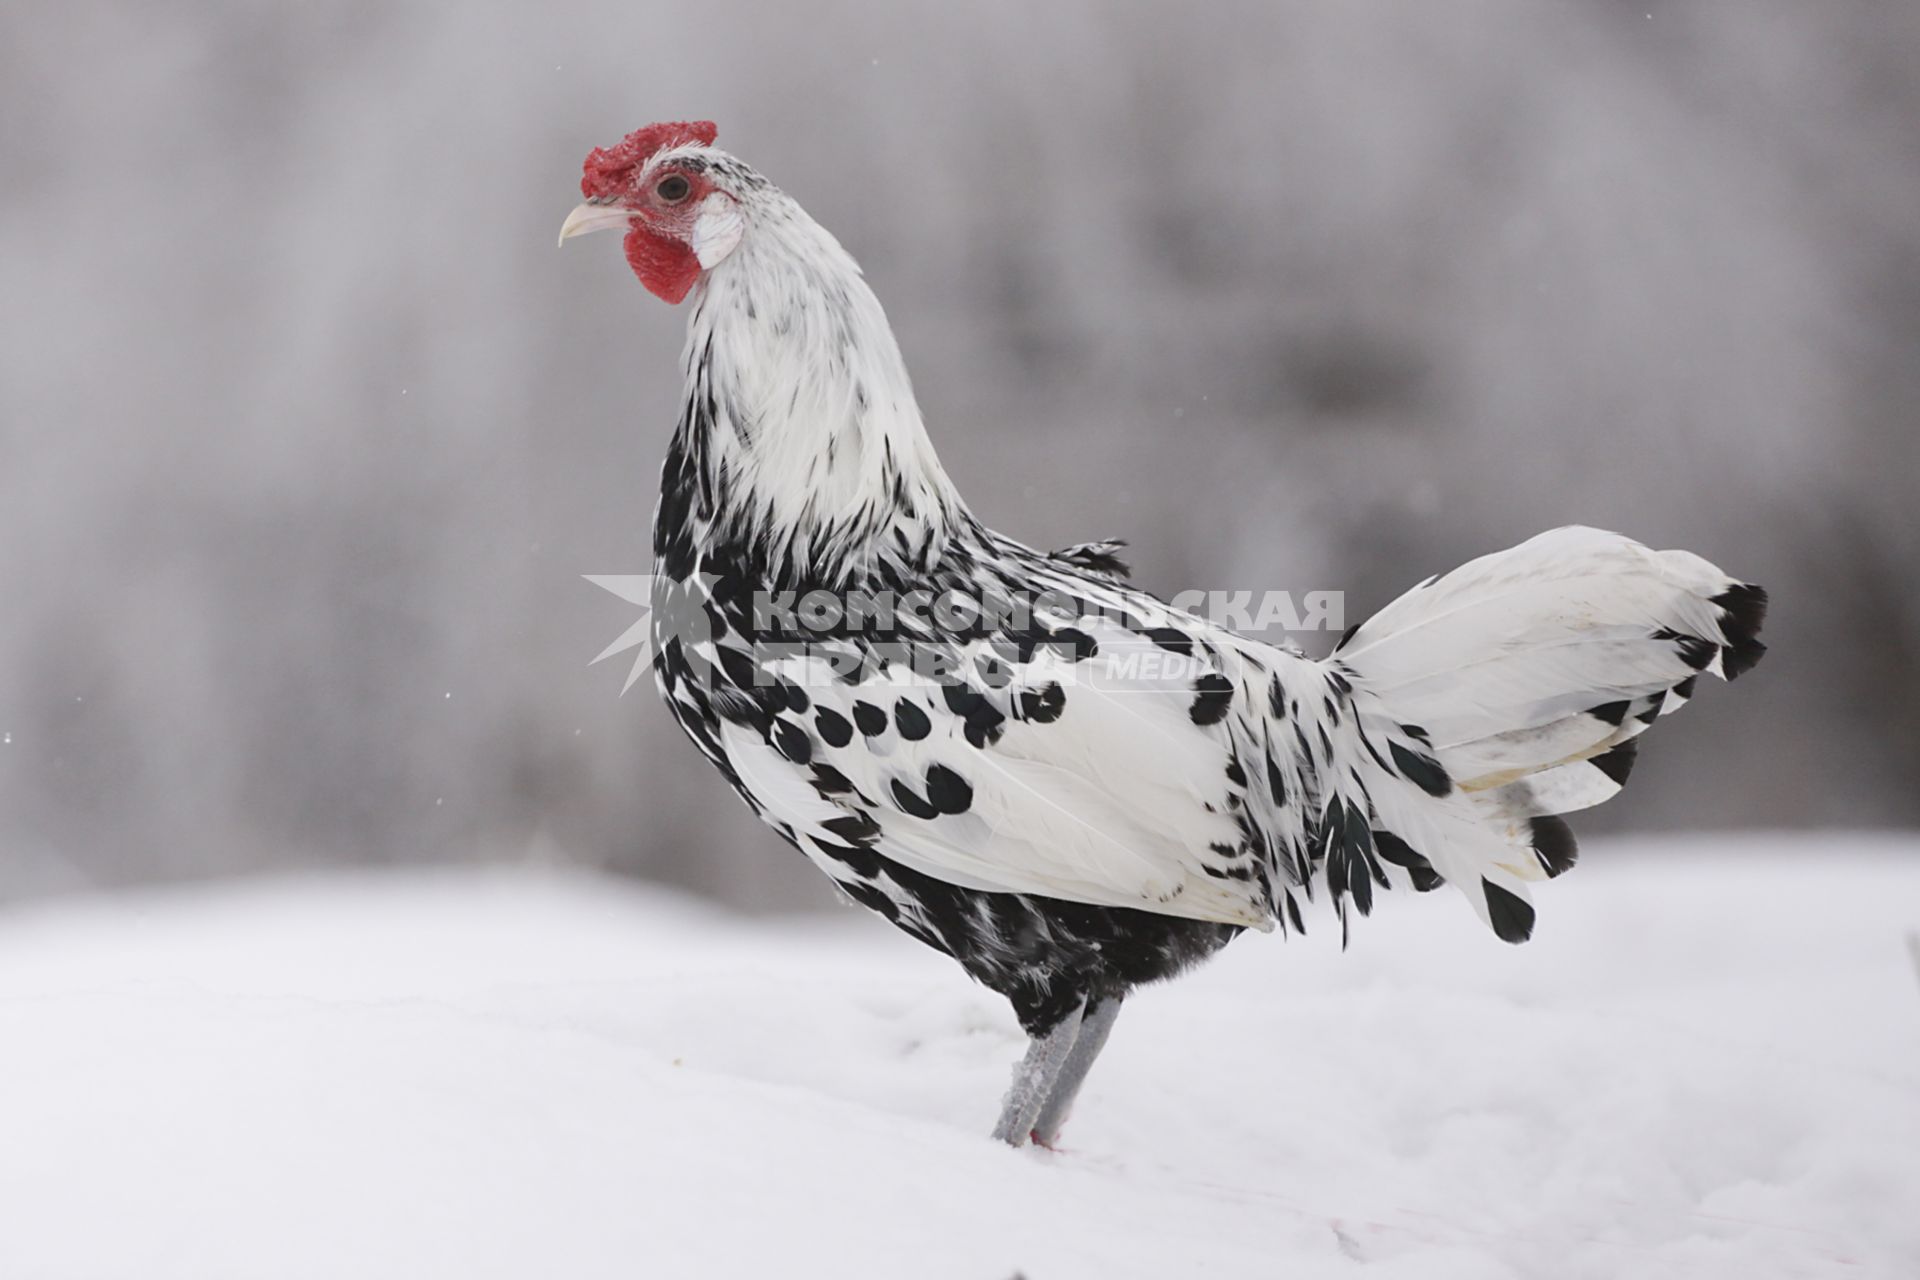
<point>1532,673</point>
<point>1744,609</point>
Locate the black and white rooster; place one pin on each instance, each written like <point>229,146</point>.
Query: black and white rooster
<point>1065,821</point>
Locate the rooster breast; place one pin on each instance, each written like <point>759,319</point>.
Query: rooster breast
<point>1058,799</point>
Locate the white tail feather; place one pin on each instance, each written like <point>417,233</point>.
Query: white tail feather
<point>1532,671</point>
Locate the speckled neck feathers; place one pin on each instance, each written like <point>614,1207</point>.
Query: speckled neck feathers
<point>800,448</point>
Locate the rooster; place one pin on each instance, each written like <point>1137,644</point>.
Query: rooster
<point>1016,787</point>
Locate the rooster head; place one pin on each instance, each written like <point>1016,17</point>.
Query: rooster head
<point>662,185</point>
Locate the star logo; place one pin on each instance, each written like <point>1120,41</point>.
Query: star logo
<point>669,610</point>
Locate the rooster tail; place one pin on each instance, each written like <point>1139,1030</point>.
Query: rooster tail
<point>1515,689</point>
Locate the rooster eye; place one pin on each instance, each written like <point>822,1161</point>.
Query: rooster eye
<point>673,188</point>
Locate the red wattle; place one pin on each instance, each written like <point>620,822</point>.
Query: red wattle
<point>666,266</point>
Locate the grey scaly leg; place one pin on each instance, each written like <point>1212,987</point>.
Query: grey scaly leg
<point>1033,1080</point>
<point>1094,1026</point>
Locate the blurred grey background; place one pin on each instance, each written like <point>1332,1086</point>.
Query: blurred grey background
<point>307,433</point>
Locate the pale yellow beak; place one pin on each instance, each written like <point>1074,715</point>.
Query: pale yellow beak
<point>593,217</point>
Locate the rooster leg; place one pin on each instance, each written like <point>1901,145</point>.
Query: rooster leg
<point>1095,1023</point>
<point>1034,1077</point>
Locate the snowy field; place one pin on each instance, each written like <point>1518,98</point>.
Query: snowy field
<point>1701,1067</point>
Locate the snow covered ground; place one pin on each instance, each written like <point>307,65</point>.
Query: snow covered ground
<point>1706,1064</point>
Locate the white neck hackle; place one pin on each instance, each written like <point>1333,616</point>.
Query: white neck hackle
<point>815,447</point>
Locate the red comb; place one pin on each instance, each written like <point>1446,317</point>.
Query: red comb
<point>608,169</point>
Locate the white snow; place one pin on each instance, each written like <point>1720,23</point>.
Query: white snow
<point>1706,1064</point>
